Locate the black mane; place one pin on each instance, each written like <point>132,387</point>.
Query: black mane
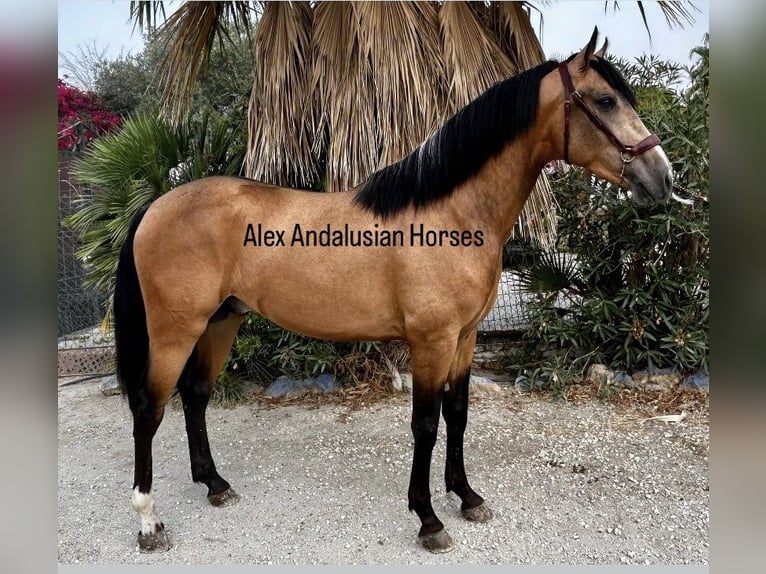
<point>458,149</point>
<point>466,141</point>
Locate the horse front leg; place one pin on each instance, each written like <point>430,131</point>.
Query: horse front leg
<point>455,411</point>
<point>430,365</point>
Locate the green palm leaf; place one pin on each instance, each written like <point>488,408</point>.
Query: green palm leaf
<point>552,273</point>
<point>129,169</point>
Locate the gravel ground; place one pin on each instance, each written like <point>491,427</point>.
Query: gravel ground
<point>578,484</point>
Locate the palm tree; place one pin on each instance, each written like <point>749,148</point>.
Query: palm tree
<point>355,86</point>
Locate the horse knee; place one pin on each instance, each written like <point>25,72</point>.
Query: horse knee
<point>425,431</point>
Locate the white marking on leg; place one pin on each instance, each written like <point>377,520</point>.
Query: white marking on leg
<point>143,503</point>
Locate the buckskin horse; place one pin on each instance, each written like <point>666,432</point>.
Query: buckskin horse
<point>187,272</point>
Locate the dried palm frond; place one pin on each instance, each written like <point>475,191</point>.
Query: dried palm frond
<point>344,96</point>
<point>190,33</point>
<point>144,13</point>
<point>473,61</point>
<point>356,83</point>
<point>402,41</point>
<point>280,114</point>
<point>676,12</point>
<point>513,28</point>
<point>537,219</point>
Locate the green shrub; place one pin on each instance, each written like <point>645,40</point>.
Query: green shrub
<point>263,351</point>
<point>132,167</point>
<point>630,285</point>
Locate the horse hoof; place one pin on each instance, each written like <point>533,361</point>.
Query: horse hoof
<point>157,542</point>
<point>480,513</point>
<point>437,542</point>
<point>225,498</point>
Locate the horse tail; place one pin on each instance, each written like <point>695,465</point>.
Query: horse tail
<point>130,333</point>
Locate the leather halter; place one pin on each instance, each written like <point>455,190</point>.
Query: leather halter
<point>627,152</point>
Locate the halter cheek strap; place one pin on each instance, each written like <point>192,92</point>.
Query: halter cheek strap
<point>627,152</point>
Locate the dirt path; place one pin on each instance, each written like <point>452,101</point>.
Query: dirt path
<point>568,484</point>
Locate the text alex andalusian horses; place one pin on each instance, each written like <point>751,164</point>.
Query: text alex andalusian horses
<point>187,274</point>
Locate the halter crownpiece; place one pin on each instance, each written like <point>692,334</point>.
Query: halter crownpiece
<point>627,152</point>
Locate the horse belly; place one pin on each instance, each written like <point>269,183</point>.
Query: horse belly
<point>326,300</point>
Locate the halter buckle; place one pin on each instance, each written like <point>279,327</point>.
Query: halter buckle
<point>627,156</point>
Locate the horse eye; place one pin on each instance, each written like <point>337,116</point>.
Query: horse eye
<point>607,102</point>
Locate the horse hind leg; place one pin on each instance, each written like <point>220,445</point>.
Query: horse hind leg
<point>455,412</point>
<point>195,387</point>
<point>147,403</point>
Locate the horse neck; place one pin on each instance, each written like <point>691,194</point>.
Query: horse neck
<point>493,199</point>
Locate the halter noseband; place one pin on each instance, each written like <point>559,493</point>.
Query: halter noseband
<point>627,152</point>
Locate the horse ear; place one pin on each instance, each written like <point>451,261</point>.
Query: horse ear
<point>586,53</point>
<point>602,52</point>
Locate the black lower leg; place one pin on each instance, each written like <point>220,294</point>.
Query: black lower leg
<point>194,389</point>
<point>425,423</point>
<point>455,411</point>
<point>145,424</point>
<point>146,421</point>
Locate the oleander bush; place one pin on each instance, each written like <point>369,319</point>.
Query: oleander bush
<point>629,286</point>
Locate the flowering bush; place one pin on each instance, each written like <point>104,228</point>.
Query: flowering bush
<point>81,117</point>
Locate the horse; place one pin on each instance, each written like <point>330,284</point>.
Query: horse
<point>413,253</point>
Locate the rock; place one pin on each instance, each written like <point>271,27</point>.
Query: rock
<point>640,378</point>
<point>326,382</point>
<point>110,386</point>
<point>663,382</point>
<point>522,382</point>
<point>597,374</point>
<point>652,379</point>
<point>620,378</point>
<point>483,386</point>
<point>285,386</point>
<point>698,381</point>
<point>479,385</point>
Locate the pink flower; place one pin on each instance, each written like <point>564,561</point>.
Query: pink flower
<point>81,118</point>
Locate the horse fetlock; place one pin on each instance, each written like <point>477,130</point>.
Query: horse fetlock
<point>204,471</point>
<point>143,504</point>
<point>420,503</point>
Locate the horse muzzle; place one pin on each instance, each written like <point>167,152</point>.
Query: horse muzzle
<point>650,181</point>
